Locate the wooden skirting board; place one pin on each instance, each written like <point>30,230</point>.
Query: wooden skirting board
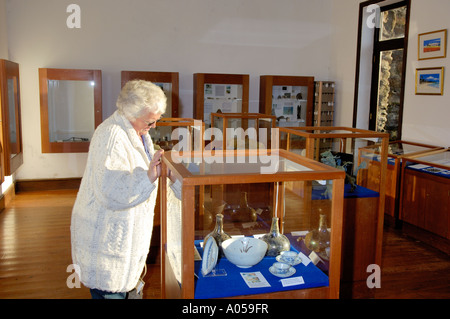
<point>47,184</point>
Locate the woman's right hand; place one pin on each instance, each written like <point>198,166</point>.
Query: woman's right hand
<point>154,170</point>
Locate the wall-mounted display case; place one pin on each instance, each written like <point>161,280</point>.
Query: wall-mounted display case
<point>425,198</point>
<point>242,130</point>
<point>192,268</point>
<point>397,150</point>
<point>71,109</point>
<point>10,115</point>
<point>340,147</point>
<point>168,81</point>
<point>219,93</point>
<point>289,98</point>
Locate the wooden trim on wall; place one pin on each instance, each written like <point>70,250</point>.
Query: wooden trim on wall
<point>47,184</point>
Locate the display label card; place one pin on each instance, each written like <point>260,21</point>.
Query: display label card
<point>292,281</point>
<point>255,279</point>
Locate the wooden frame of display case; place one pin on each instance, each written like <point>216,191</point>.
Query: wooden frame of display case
<point>363,216</point>
<point>171,288</point>
<point>267,82</point>
<point>425,199</point>
<point>157,77</point>
<point>257,117</point>
<point>393,175</point>
<point>200,79</point>
<point>45,75</point>
<point>11,128</point>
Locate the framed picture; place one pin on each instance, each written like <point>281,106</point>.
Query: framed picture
<point>433,45</point>
<point>430,81</point>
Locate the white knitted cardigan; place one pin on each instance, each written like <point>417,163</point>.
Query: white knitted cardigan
<point>112,219</point>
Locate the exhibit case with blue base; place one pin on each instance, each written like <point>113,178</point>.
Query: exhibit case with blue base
<point>247,196</point>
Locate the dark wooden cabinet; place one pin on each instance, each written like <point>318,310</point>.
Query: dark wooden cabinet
<point>426,202</point>
<point>425,198</point>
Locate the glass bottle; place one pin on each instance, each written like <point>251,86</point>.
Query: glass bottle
<point>218,234</point>
<point>276,241</point>
<point>318,240</point>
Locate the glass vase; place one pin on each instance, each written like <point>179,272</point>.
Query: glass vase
<point>218,234</point>
<point>275,240</point>
<point>318,240</point>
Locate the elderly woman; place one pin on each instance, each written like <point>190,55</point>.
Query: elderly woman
<point>112,218</point>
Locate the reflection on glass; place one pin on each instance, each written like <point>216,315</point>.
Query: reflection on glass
<point>389,92</point>
<point>289,105</point>
<point>14,146</point>
<point>70,110</point>
<point>221,98</point>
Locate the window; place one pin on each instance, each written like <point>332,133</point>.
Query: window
<point>386,70</point>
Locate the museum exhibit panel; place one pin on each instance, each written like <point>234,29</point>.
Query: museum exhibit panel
<point>289,98</point>
<point>168,81</point>
<point>11,122</point>
<point>425,198</point>
<point>340,147</point>
<point>397,150</point>
<point>71,108</point>
<point>219,93</point>
<point>242,130</point>
<point>274,241</point>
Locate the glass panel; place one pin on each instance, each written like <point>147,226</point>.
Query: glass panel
<point>167,88</point>
<point>14,145</point>
<point>289,105</point>
<point>253,165</point>
<point>405,148</point>
<point>221,98</point>
<point>441,158</point>
<point>389,92</point>
<point>393,24</point>
<point>174,234</point>
<point>71,115</point>
<point>307,219</point>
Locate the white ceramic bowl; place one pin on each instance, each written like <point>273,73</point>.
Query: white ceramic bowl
<point>244,252</point>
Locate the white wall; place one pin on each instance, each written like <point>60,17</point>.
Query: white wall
<point>427,118</point>
<point>256,37</point>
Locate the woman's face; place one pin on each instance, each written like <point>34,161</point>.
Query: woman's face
<point>144,123</point>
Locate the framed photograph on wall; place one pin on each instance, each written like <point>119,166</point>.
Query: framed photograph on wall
<point>433,45</point>
<point>430,81</point>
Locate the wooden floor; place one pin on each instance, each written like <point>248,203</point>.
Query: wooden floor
<point>35,255</point>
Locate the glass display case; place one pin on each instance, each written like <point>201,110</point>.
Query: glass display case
<point>289,98</point>
<point>219,93</point>
<point>306,220</point>
<point>168,81</point>
<point>397,150</point>
<point>170,133</point>
<point>242,130</point>
<point>425,198</point>
<point>340,147</point>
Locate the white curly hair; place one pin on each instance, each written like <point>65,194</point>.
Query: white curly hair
<point>138,97</point>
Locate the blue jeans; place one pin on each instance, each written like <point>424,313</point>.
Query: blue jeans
<point>99,294</point>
